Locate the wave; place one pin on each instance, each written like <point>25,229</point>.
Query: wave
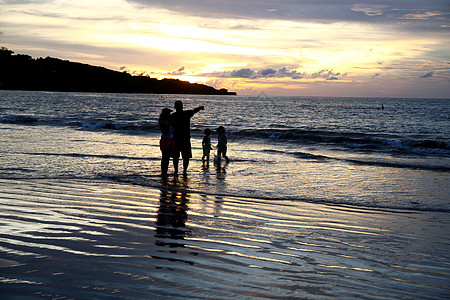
<point>151,178</point>
<point>138,127</point>
<point>85,124</point>
<point>19,119</point>
<point>421,146</point>
<point>83,155</point>
<point>390,164</point>
<point>347,140</point>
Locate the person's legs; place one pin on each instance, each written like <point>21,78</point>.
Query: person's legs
<point>224,153</point>
<point>165,162</point>
<point>176,158</point>
<point>186,154</point>
<point>185,164</point>
<point>205,157</point>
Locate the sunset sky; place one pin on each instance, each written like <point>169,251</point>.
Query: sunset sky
<point>287,47</point>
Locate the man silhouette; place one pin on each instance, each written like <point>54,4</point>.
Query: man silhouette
<point>181,121</point>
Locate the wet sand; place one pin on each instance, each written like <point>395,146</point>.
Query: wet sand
<point>85,240</point>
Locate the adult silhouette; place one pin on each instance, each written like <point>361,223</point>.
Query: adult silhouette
<point>181,122</point>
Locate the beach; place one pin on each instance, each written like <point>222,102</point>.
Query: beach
<point>323,198</point>
<point>90,240</point>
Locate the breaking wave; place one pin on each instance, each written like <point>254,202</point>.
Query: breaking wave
<point>348,140</point>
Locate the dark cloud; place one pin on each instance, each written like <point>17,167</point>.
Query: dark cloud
<point>178,72</point>
<point>242,73</point>
<point>429,74</point>
<point>283,72</point>
<point>267,72</point>
<point>436,11</point>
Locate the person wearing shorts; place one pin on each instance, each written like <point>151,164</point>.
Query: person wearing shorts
<point>181,122</point>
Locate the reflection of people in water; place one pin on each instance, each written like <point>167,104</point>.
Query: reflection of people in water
<point>172,217</point>
<point>221,169</point>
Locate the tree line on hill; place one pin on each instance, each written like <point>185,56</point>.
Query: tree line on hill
<point>22,72</point>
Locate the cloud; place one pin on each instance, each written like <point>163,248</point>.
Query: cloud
<point>70,17</point>
<point>370,10</point>
<point>244,27</point>
<point>422,15</point>
<point>429,74</point>
<point>242,73</point>
<point>283,72</point>
<point>178,72</point>
<point>267,72</point>
<point>216,83</point>
<point>16,2</point>
<point>301,10</point>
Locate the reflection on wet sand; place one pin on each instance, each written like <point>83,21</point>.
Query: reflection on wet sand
<point>85,240</point>
<point>221,168</point>
<point>171,218</point>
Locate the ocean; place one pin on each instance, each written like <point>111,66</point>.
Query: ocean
<point>323,197</point>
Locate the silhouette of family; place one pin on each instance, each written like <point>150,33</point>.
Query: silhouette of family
<point>176,138</point>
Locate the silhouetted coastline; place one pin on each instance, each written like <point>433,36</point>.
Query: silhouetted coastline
<point>22,72</point>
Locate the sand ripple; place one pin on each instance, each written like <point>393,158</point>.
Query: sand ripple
<point>99,240</point>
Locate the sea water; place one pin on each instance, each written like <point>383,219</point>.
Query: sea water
<point>369,152</point>
<point>323,198</point>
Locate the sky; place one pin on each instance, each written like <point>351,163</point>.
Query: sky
<point>391,48</point>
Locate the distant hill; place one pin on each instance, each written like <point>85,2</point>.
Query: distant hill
<point>22,72</point>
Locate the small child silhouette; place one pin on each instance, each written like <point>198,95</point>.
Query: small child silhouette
<point>222,144</point>
<point>206,145</point>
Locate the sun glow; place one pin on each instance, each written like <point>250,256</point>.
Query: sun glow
<point>185,45</point>
<point>191,78</point>
<point>158,40</point>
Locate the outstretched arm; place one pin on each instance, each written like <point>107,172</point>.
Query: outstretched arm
<point>196,110</point>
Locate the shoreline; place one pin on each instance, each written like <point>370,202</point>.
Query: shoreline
<point>181,183</point>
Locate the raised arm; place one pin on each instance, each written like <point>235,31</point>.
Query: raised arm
<point>196,110</point>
